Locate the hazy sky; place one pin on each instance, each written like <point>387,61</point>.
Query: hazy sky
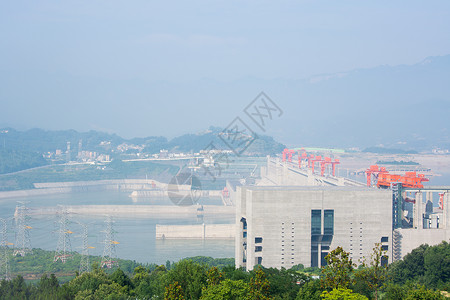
<point>138,67</point>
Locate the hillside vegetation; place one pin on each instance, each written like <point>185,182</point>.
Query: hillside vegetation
<point>420,275</point>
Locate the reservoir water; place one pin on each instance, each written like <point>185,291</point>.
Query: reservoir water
<point>136,235</point>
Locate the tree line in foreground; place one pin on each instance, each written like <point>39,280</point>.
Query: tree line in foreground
<point>422,274</point>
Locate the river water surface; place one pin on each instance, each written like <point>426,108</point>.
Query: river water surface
<point>135,235</point>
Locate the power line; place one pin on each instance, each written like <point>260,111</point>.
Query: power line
<point>22,235</point>
<point>4,258</point>
<point>64,247</point>
<point>84,262</point>
<point>109,259</point>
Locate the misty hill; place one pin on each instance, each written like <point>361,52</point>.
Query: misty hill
<point>41,141</point>
<point>403,106</point>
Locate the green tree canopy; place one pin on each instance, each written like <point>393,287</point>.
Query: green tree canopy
<point>342,294</point>
<point>339,269</point>
<point>373,273</point>
<point>174,292</point>
<point>190,276</point>
<point>259,285</point>
<point>226,290</point>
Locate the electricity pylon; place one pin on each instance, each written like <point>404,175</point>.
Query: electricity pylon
<point>109,259</point>
<point>84,262</point>
<point>63,248</point>
<point>4,259</point>
<point>22,235</point>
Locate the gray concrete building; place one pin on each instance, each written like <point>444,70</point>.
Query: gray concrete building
<point>282,226</point>
<point>293,216</point>
<point>422,222</point>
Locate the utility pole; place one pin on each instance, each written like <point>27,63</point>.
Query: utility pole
<point>84,262</point>
<point>4,259</point>
<point>63,248</point>
<point>109,259</point>
<point>22,235</point>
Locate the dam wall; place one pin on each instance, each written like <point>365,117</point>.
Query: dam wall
<point>115,184</point>
<point>139,210</point>
<point>281,173</point>
<point>48,188</point>
<point>35,192</point>
<point>136,187</point>
<point>176,189</point>
<point>203,231</point>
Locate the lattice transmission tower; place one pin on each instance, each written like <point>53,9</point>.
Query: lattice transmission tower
<point>4,252</point>
<point>84,262</point>
<point>109,259</point>
<point>64,248</point>
<point>22,246</point>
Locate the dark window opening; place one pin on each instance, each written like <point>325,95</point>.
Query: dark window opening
<point>327,238</point>
<point>385,248</point>
<point>314,257</point>
<point>385,239</point>
<point>259,260</point>
<point>244,223</point>
<point>323,261</point>
<point>316,221</point>
<point>328,221</point>
<point>258,248</point>
<point>258,240</point>
<point>316,238</point>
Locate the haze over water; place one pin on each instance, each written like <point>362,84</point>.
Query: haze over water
<point>136,235</point>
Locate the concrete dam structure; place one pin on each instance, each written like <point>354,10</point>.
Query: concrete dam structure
<point>278,173</point>
<point>203,231</point>
<point>49,188</point>
<point>141,211</point>
<point>293,215</point>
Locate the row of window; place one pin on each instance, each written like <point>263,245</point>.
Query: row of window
<point>328,221</point>
<point>319,237</point>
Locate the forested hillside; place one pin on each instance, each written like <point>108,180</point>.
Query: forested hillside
<point>16,160</point>
<point>423,274</point>
<point>41,141</point>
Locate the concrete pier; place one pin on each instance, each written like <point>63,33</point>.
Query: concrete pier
<point>203,231</point>
<point>140,210</point>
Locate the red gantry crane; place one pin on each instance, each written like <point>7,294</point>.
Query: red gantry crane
<point>384,178</point>
<point>409,180</point>
<point>373,172</point>
<point>302,157</point>
<point>441,200</point>
<point>313,162</point>
<point>288,153</point>
<point>312,159</point>
<point>333,165</point>
<point>327,161</point>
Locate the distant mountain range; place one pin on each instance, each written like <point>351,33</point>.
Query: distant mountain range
<point>405,106</point>
<point>42,141</point>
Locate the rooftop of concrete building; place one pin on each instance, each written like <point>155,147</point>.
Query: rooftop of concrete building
<point>312,188</point>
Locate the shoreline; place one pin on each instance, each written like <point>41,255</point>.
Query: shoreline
<point>49,188</point>
<point>138,210</point>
